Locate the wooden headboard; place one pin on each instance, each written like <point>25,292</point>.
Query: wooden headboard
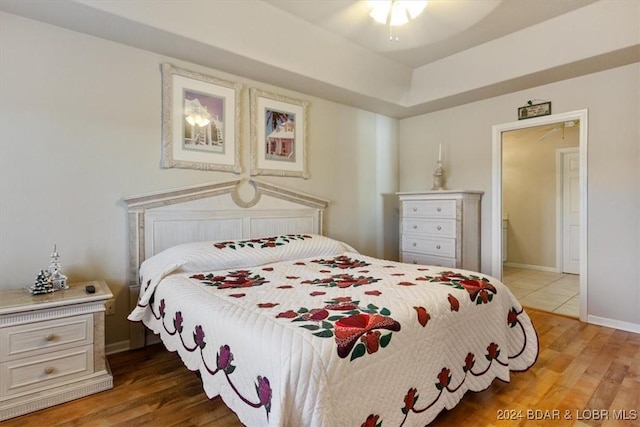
<point>228,210</point>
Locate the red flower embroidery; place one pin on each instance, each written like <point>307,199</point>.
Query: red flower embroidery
<point>343,306</point>
<point>444,378</point>
<point>410,400</point>
<point>469,361</point>
<point>315,314</point>
<point>349,329</point>
<point>285,287</point>
<point>423,316</point>
<point>453,302</point>
<point>477,287</point>
<point>316,293</point>
<point>267,304</point>
<point>406,284</point>
<point>371,341</point>
<point>512,317</point>
<point>289,314</point>
<point>237,295</point>
<point>372,421</point>
<point>492,351</point>
<point>374,293</point>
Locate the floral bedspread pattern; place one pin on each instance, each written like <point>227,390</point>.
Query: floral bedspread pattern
<point>333,337</point>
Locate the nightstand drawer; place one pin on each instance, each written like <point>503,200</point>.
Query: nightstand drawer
<point>438,227</point>
<point>411,258</point>
<point>430,208</point>
<point>438,247</point>
<point>40,337</point>
<point>45,370</point>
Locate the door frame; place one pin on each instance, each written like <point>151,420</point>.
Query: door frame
<point>496,217</point>
<point>560,171</point>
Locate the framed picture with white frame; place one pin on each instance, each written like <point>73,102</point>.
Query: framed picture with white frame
<point>200,121</point>
<point>279,132</point>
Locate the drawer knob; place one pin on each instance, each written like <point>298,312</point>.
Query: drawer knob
<point>439,228</point>
<point>439,209</point>
<point>415,244</point>
<point>437,246</point>
<point>415,209</point>
<point>50,337</point>
<point>415,262</point>
<point>49,370</point>
<point>415,226</point>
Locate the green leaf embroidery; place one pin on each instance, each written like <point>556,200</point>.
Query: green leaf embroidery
<point>384,340</point>
<point>358,351</point>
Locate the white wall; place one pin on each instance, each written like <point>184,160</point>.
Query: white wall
<point>613,100</point>
<point>80,128</point>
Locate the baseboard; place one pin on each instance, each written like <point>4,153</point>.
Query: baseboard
<point>531,267</point>
<point>117,347</point>
<point>616,324</point>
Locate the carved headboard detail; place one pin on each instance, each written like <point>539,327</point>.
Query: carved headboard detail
<point>217,211</point>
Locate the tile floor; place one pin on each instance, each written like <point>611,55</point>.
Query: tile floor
<point>553,292</point>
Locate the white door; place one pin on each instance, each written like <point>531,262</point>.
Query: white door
<point>571,213</point>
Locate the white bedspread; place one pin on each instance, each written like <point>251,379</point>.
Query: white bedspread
<point>304,331</point>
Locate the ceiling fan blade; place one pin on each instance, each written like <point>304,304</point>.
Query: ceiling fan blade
<point>548,134</point>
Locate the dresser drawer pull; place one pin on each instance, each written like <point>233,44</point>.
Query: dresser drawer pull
<point>437,246</point>
<point>50,337</point>
<point>415,209</point>
<point>439,209</point>
<point>439,228</point>
<point>49,370</point>
<point>415,244</point>
<point>415,226</point>
<point>415,262</point>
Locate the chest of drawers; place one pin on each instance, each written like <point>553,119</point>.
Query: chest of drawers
<point>441,228</point>
<point>51,347</point>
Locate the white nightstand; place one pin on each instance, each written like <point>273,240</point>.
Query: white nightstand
<point>51,347</point>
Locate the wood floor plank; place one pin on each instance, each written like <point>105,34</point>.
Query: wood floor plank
<point>581,368</point>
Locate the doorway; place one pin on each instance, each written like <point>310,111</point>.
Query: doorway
<point>580,118</point>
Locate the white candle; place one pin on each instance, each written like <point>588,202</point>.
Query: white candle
<point>440,153</point>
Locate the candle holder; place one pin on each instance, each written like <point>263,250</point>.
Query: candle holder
<point>438,177</point>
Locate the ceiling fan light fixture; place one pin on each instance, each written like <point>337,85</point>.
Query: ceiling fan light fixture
<point>396,12</point>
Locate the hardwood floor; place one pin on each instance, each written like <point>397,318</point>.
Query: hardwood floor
<point>581,369</point>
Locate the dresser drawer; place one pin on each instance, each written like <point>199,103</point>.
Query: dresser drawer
<point>436,228</point>
<point>438,247</point>
<point>430,208</point>
<point>412,258</point>
<point>45,370</point>
<point>40,337</point>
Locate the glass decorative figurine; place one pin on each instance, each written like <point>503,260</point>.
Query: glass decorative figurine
<point>438,177</point>
<point>438,174</point>
<point>58,279</point>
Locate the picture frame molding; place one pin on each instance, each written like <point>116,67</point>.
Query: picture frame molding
<point>168,159</point>
<point>258,166</point>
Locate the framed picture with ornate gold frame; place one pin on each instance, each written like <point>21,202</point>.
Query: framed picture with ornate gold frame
<point>200,121</point>
<point>279,128</point>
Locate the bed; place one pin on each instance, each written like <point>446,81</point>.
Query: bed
<point>297,329</point>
